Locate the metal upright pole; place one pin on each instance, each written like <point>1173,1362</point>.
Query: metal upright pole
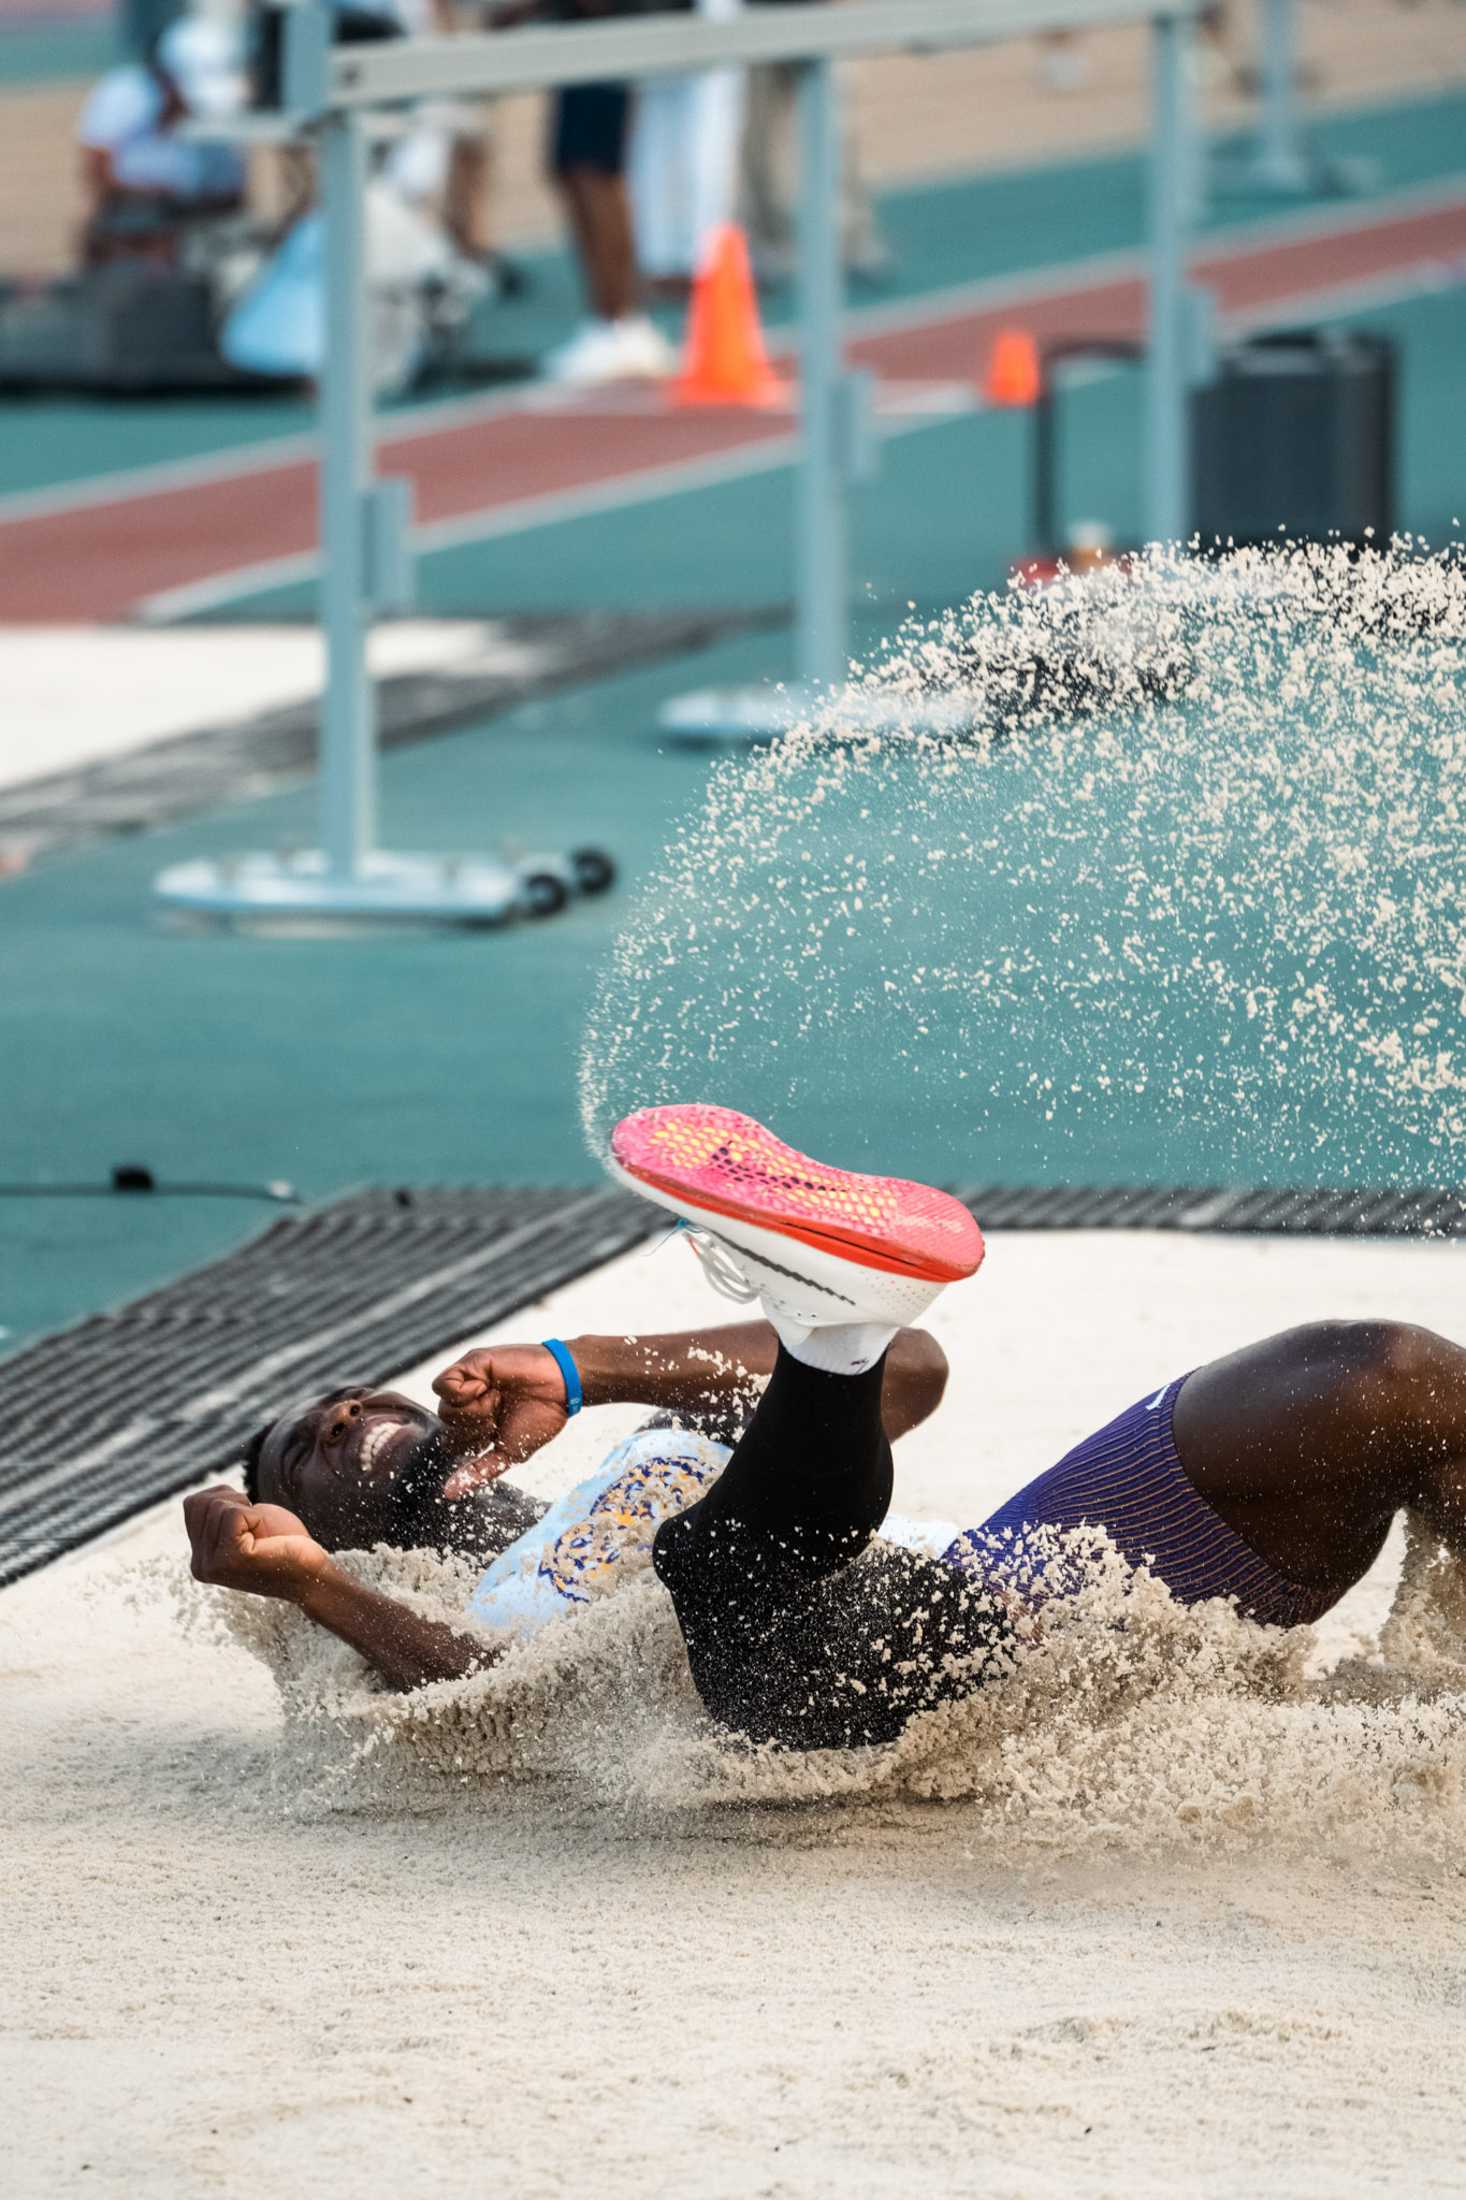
<point>348,719</point>
<point>1168,486</point>
<point>1282,161</point>
<point>822,525</point>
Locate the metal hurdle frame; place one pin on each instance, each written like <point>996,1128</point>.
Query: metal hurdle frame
<point>331,94</point>
<point>1282,161</point>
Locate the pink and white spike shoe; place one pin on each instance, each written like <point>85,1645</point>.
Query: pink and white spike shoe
<point>819,1246</point>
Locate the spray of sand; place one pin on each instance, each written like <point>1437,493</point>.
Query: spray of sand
<point>1160,863</point>
<point>1130,1724</point>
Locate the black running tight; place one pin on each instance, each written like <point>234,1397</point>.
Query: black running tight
<point>799,1630</point>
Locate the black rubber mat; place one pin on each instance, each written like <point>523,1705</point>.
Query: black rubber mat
<point>122,1409</point>
<point>1409,1212</point>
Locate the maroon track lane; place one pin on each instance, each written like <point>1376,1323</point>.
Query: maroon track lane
<point>951,347</point>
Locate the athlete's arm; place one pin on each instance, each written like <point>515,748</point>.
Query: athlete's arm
<point>508,1401</point>
<point>263,1550</point>
<point>701,1370</point>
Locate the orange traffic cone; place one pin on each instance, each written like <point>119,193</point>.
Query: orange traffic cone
<point>1014,375</point>
<point>725,362</point>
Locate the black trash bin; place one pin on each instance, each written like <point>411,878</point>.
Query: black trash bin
<point>1296,434</point>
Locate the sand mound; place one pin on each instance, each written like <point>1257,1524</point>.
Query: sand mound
<point>1130,1724</point>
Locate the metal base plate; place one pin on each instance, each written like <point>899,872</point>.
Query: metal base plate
<point>1304,174</point>
<point>725,717</point>
<point>391,889</point>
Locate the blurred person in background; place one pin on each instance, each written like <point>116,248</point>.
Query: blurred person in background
<point>683,172</point>
<point>142,180</point>
<point>768,182</point>
<point>422,287</point>
<point>444,165</point>
<point>589,136</point>
<point>1213,60</point>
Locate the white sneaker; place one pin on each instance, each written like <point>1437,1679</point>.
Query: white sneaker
<point>822,1248</point>
<point>645,351</point>
<point>583,359</point>
<point>632,349</point>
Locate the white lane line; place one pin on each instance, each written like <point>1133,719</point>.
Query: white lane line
<point>159,478</point>
<point>164,476</point>
<point>1337,301</point>
<point>640,485</point>
<point>1440,196</point>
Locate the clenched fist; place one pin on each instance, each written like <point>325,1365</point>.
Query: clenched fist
<point>502,1405</point>
<point>259,1548</point>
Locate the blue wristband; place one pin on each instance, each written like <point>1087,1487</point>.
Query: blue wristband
<point>574,1395</point>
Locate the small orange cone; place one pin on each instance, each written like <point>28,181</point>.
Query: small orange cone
<point>1014,375</point>
<point>725,362</point>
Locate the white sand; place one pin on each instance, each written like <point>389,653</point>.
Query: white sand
<point>1155,1982</point>
<point>76,695</point>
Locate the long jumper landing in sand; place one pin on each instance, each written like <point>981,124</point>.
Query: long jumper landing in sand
<point>1269,1477</point>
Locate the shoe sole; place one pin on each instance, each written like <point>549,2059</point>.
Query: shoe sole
<point>716,1168</point>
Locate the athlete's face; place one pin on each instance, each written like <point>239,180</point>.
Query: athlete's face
<point>358,1466</point>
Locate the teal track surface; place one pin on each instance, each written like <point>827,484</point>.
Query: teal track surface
<point>57,52</point>
<point>450,1058</point>
<point>420,1059</point>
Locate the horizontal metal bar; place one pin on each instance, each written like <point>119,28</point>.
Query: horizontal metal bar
<point>536,58</point>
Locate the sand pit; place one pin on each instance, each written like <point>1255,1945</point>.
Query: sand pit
<point>1204,1939</point>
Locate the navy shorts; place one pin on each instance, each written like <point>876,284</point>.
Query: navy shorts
<point>1128,1479</point>
<point>589,129</point>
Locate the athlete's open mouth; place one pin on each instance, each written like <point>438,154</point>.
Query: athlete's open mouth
<point>377,1444</point>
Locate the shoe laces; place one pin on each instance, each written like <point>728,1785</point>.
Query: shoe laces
<point>719,1265</point>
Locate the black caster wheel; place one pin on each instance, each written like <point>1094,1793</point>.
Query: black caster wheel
<point>543,894</point>
<point>594,870</point>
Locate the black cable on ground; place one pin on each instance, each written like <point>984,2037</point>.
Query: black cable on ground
<point>134,1176</point>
